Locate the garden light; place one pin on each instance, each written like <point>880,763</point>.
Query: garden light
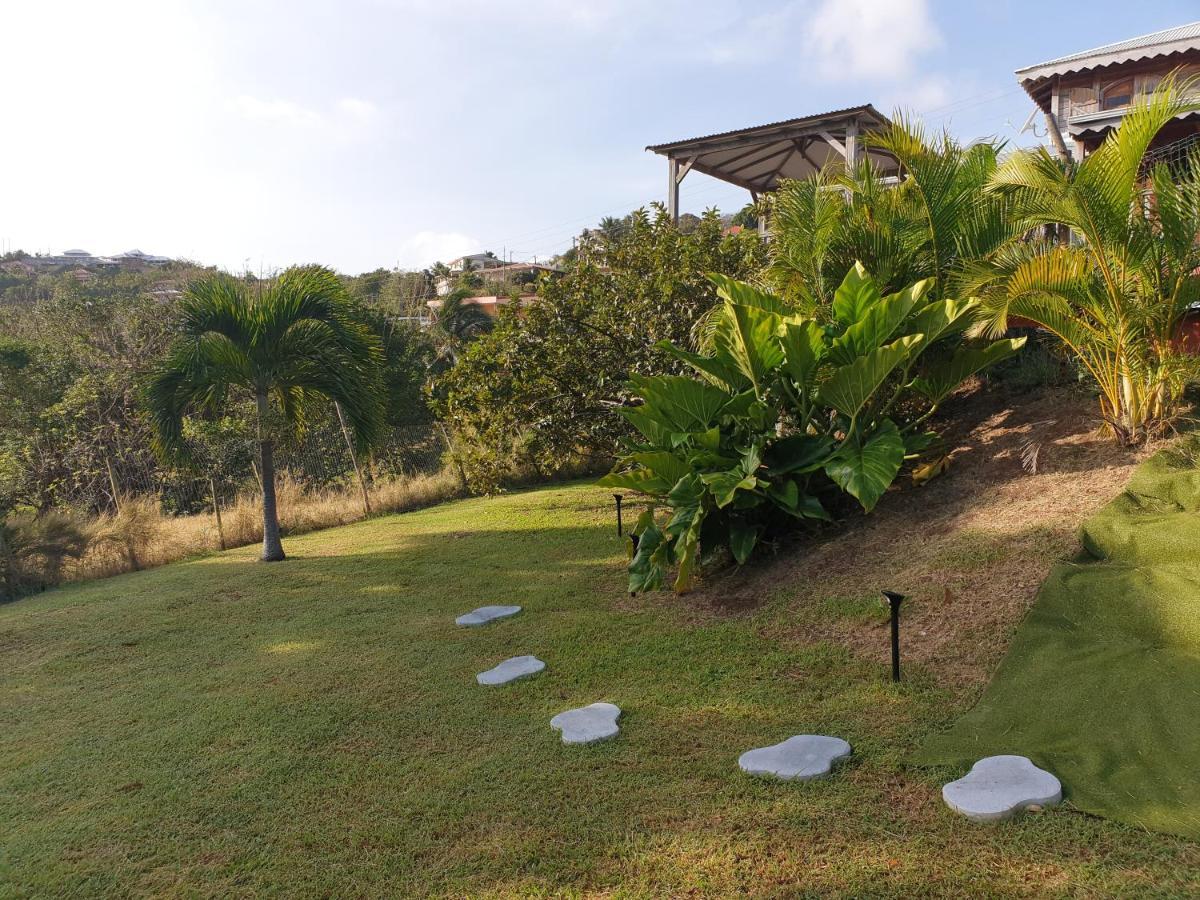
<point>620,529</point>
<point>894,600</point>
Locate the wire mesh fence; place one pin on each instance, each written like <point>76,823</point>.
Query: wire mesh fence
<point>320,459</point>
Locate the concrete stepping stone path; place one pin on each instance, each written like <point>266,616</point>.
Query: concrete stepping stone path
<point>588,724</point>
<point>800,758</point>
<point>999,787</point>
<point>486,614</point>
<point>511,670</point>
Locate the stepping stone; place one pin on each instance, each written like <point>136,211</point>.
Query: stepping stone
<point>999,787</point>
<point>486,614</point>
<point>588,724</point>
<point>511,670</point>
<point>800,758</point>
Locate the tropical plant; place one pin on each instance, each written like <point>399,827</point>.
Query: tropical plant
<point>929,225</point>
<point>1116,293</point>
<point>786,415</point>
<point>291,340</point>
<point>457,324</point>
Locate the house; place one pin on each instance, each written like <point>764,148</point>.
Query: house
<point>490,305</point>
<point>504,276</point>
<point>474,262</point>
<point>1085,95</point>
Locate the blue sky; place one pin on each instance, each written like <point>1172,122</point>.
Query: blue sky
<point>366,133</point>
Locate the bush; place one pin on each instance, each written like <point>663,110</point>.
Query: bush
<point>787,415</point>
<point>34,551</point>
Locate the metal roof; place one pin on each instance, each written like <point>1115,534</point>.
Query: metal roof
<point>758,158</point>
<point>1148,46</point>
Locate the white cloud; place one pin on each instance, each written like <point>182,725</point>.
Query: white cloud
<point>358,108</point>
<point>866,39</point>
<point>427,247</point>
<point>276,110</point>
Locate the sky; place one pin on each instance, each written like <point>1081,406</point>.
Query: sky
<point>256,134</point>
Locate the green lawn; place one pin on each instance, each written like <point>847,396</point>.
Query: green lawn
<point>222,727</point>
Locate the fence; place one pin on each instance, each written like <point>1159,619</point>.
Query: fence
<point>124,466</point>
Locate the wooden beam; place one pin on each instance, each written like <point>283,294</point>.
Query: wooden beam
<point>851,144</point>
<point>754,162</point>
<point>687,167</point>
<point>834,143</point>
<point>808,159</point>
<point>673,189</point>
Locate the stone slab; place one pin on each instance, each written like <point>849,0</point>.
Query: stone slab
<point>999,787</point>
<point>511,670</point>
<point>485,614</point>
<point>588,724</point>
<point>800,758</point>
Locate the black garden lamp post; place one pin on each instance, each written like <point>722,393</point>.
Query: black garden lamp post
<point>894,600</point>
<point>620,529</point>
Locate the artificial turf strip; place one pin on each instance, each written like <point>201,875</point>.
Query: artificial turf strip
<point>1102,683</point>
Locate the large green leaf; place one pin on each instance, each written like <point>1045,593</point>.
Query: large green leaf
<point>855,295</point>
<point>716,370</point>
<point>743,536</point>
<point>877,324</point>
<point>676,402</point>
<point>742,294</point>
<point>850,387</point>
<point>747,338</point>
<point>865,469</point>
<point>646,569</point>
<point>641,480</point>
<point>937,383</point>
<point>803,349</point>
<point>797,453</point>
<point>938,319</point>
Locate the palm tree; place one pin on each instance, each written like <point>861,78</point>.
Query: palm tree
<point>457,324</point>
<point>1115,295</point>
<point>936,220</point>
<point>286,343</point>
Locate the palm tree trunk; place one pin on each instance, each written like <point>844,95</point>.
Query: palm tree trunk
<point>272,550</point>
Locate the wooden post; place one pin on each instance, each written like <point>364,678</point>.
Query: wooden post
<point>673,189</point>
<point>851,145</point>
<point>112,483</point>
<point>212,484</point>
<point>362,485</point>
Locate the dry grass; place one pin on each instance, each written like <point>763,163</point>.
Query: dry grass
<point>141,536</point>
<point>969,549</point>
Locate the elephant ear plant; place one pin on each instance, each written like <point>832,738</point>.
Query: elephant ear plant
<point>785,415</point>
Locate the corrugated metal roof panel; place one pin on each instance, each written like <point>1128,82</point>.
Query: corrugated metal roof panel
<point>1159,43</point>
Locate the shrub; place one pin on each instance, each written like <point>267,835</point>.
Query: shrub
<point>34,551</point>
<point>787,414</point>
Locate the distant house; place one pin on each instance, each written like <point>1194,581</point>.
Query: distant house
<point>1086,95</point>
<point>490,305</point>
<point>474,262</point>
<point>132,259</point>
<point>505,275</point>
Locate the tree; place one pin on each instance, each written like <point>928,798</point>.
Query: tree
<point>457,324</point>
<point>287,343</point>
<point>1115,296</point>
<point>537,392</point>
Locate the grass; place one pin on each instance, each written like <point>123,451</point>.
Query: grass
<point>224,727</point>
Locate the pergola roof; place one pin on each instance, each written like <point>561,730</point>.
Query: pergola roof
<point>757,158</point>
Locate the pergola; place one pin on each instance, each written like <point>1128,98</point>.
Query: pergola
<point>758,158</point>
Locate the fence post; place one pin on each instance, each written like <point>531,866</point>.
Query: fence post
<point>217,509</point>
<point>362,485</point>
<point>112,483</point>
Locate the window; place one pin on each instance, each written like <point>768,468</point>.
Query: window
<point>1116,94</point>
